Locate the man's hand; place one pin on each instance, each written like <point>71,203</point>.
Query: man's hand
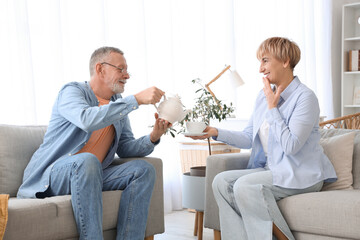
<point>159,129</point>
<point>150,95</point>
<point>271,97</point>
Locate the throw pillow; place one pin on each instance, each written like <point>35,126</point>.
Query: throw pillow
<point>339,149</point>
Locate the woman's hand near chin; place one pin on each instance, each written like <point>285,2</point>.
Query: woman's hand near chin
<point>210,132</point>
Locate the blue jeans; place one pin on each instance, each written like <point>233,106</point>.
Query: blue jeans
<point>247,204</point>
<point>82,176</point>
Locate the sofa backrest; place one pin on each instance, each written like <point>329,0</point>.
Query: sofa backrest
<point>17,145</point>
<point>325,133</point>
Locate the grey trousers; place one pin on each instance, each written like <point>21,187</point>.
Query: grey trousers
<point>247,204</point>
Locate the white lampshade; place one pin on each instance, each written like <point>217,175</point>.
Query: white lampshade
<point>236,80</point>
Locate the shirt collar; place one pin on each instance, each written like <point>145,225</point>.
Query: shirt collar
<point>290,88</point>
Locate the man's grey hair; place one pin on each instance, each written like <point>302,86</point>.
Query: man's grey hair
<point>99,56</point>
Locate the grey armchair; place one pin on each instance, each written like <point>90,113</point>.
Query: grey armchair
<point>312,216</point>
<point>214,165</point>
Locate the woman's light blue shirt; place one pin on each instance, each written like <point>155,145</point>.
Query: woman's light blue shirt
<point>295,157</point>
<point>75,115</point>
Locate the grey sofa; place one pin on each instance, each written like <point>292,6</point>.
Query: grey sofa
<point>52,218</point>
<point>324,215</point>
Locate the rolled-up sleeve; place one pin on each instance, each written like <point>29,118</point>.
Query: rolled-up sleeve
<point>73,106</point>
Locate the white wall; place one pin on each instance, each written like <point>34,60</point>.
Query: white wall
<point>336,52</point>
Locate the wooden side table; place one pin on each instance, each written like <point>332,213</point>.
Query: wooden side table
<point>194,153</point>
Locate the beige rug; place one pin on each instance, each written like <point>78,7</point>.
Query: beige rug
<point>3,213</point>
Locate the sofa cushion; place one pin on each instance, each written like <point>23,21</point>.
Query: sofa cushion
<point>53,218</point>
<point>330,213</point>
<point>339,149</point>
<point>325,133</point>
<point>17,145</point>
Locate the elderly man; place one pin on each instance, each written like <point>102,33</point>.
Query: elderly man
<point>89,124</point>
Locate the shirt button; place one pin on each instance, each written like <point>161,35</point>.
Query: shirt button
<point>134,107</point>
<point>46,186</point>
<point>69,154</point>
<point>120,114</point>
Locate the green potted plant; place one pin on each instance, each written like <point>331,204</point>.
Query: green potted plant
<point>206,108</point>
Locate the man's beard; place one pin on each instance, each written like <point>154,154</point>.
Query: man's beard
<point>117,88</point>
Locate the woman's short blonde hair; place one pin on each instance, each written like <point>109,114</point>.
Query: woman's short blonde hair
<point>280,48</point>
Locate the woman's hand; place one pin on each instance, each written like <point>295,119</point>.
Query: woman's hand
<point>159,129</point>
<point>272,98</point>
<point>210,132</point>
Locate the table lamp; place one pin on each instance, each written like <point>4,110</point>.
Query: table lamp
<point>235,79</point>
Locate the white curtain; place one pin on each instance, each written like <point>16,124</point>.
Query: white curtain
<point>167,43</point>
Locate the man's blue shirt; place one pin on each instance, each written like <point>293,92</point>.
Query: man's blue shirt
<point>75,115</point>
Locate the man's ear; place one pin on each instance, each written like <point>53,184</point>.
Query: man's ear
<point>98,68</point>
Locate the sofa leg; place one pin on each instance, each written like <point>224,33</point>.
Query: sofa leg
<point>278,233</point>
<point>149,238</point>
<point>217,235</point>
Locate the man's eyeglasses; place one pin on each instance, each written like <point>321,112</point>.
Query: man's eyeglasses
<point>122,70</point>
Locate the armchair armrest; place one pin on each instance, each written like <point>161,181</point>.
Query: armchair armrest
<point>214,165</point>
<point>155,222</point>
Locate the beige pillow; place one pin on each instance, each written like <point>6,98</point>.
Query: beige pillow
<point>339,149</point>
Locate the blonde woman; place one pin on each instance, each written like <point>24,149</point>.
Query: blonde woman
<point>286,157</point>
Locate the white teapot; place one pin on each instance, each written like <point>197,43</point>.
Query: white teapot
<point>171,109</point>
